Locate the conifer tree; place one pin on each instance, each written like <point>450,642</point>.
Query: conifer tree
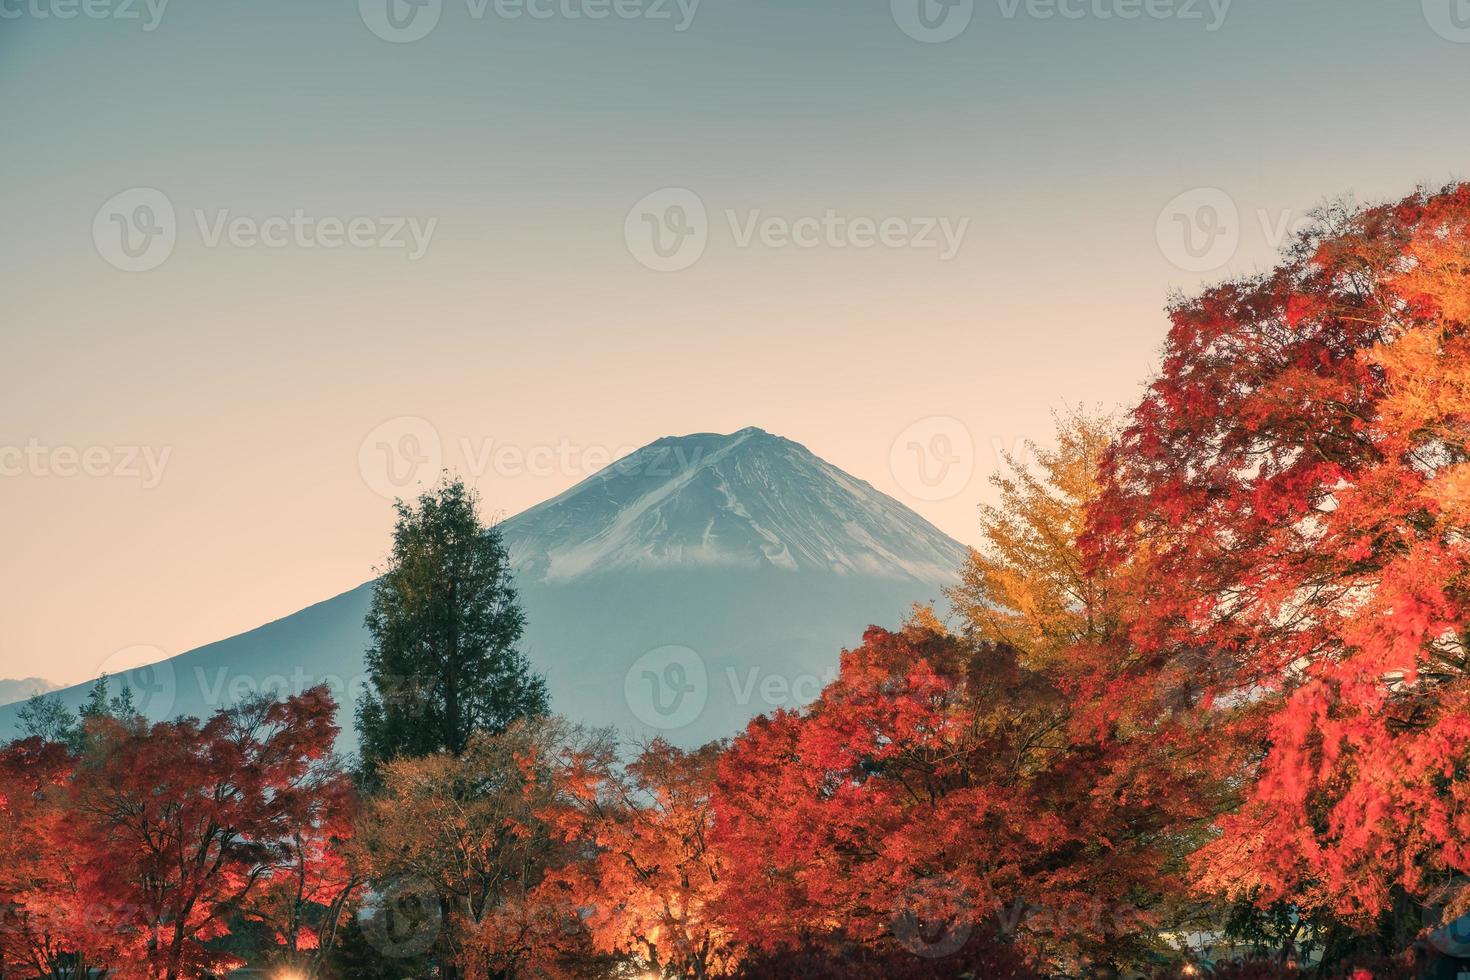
<point>444,622</point>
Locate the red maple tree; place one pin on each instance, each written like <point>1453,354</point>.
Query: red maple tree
<point>1287,513</point>
<point>130,851</point>
<point>48,925</point>
<point>931,791</point>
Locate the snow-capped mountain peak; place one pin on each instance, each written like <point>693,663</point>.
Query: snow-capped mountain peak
<point>747,499</point>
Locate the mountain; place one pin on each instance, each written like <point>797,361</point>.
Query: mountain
<point>743,501</point>
<point>21,690</point>
<point>682,590</point>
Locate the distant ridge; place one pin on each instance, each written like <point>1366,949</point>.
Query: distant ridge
<point>21,690</point>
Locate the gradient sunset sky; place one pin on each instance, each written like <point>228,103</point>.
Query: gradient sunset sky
<point>1075,143</point>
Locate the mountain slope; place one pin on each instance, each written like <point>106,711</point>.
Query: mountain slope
<point>699,581</point>
<point>746,500</point>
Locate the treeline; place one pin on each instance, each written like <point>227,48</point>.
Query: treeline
<point>1201,705</point>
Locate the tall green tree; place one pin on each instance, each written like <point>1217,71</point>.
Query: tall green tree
<point>445,621</point>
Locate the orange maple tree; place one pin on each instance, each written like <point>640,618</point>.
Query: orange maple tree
<point>648,876</point>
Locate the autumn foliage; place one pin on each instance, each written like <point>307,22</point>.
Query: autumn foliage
<point>133,854</point>
<point>931,791</point>
<point>1287,512</point>
<point>654,875</point>
<point>1204,676</point>
<point>1249,619</point>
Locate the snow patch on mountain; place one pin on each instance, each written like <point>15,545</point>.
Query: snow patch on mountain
<point>748,499</point>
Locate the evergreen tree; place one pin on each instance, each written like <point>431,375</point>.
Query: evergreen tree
<point>45,717</point>
<point>444,624</point>
<point>101,703</point>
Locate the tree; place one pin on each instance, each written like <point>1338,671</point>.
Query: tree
<point>931,791</point>
<point>468,831</point>
<point>643,867</point>
<point>1028,585</point>
<point>175,826</point>
<point>366,949</point>
<point>129,849</point>
<point>46,927</point>
<point>43,716</point>
<point>315,879</point>
<point>444,623</point>
<point>1288,516</point>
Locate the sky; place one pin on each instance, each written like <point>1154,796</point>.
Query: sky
<point>262,259</point>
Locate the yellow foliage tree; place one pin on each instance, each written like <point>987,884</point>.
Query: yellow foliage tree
<point>1027,586</point>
